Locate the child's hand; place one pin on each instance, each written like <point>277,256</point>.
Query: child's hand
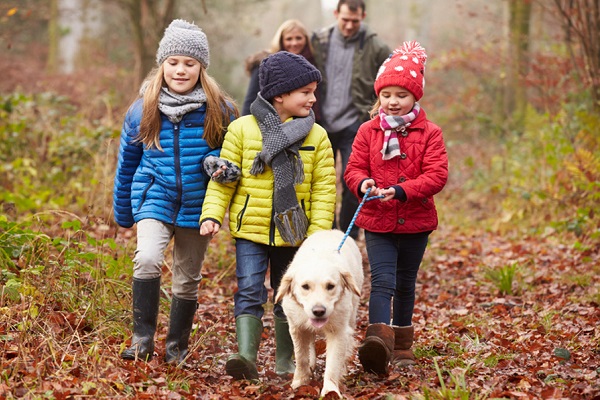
<point>366,184</point>
<point>388,194</point>
<point>221,170</point>
<point>209,227</point>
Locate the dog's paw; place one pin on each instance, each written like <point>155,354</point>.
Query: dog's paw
<point>330,387</point>
<point>299,381</point>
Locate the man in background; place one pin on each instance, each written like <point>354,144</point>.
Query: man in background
<point>348,54</point>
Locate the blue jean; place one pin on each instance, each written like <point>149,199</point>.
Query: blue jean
<point>253,260</point>
<point>342,141</point>
<point>395,260</point>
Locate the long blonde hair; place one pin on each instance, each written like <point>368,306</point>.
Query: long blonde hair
<point>276,44</point>
<point>220,107</point>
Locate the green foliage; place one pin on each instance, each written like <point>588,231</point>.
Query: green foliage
<point>545,180</point>
<point>563,354</point>
<point>74,272</point>
<point>456,388</point>
<point>45,145</point>
<point>503,277</point>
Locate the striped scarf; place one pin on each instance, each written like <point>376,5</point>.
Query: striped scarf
<point>391,125</point>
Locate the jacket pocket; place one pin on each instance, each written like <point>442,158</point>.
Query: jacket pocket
<point>145,192</point>
<point>240,216</point>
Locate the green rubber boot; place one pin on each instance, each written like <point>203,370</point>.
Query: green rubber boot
<point>242,365</point>
<point>284,348</point>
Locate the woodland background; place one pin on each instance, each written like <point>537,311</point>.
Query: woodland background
<point>509,291</point>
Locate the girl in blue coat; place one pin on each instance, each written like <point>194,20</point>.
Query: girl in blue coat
<point>170,143</point>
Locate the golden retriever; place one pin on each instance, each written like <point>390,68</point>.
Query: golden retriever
<point>320,293</point>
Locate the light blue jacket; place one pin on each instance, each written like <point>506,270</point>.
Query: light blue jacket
<point>167,185</point>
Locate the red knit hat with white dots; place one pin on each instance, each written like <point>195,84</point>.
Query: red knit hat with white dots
<point>405,67</point>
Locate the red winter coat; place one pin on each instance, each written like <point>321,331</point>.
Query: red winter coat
<point>421,170</point>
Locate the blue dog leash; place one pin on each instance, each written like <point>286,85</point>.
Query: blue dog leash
<point>364,200</point>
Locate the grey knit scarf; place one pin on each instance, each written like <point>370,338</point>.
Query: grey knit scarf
<point>175,106</point>
<point>281,144</point>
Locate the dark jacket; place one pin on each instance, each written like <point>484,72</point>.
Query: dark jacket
<point>369,54</point>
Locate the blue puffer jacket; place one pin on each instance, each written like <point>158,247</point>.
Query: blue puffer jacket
<point>167,185</point>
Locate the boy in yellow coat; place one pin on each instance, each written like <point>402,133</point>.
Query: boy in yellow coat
<point>285,193</point>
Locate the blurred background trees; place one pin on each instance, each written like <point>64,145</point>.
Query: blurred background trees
<point>520,43</point>
<point>515,84</point>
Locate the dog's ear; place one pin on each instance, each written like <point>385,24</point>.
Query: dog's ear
<point>349,283</point>
<point>285,288</point>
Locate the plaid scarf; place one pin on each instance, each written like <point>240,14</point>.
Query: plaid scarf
<point>391,125</point>
<point>281,143</point>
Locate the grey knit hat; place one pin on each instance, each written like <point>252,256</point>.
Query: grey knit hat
<point>283,72</point>
<point>183,39</point>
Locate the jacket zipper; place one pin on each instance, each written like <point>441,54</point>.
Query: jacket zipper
<point>241,214</point>
<point>177,163</point>
<point>272,227</point>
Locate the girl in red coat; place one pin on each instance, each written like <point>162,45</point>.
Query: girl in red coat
<point>401,155</point>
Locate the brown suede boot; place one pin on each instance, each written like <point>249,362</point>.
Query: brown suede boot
<point>403,355</point>
<point>375,352</point>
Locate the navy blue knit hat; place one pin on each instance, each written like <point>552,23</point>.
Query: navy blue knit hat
<point>283,72</point>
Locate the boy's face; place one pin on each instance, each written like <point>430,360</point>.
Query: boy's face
<point>296,103</point>
<point>396,100</point>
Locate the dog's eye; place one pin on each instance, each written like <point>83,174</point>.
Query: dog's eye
<point>306,286</point>
<point>330,286</point>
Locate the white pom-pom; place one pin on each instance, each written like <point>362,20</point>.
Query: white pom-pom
<point>413,49</point>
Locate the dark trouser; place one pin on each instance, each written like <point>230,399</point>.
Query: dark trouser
<point>342,141</point>
<point>253,259</point>
<point>395,261</point>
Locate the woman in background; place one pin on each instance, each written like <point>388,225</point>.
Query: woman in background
<point>291,36</point>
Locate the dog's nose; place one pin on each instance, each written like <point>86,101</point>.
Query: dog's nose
<point>318,311</point>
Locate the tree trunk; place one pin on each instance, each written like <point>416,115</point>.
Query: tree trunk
<point>581,19</point>
<point>53,38</point>
<point>148,19</point>
<point>518,62</point>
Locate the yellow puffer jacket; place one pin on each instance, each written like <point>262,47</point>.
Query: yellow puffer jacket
<point>250,200</point>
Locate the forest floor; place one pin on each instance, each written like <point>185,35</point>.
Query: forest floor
<point>540,341</point>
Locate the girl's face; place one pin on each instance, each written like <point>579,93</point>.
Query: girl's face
<point>181,73</point>
<point>396,100</point>
<point>293,41</point>
<point>296,103</point>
